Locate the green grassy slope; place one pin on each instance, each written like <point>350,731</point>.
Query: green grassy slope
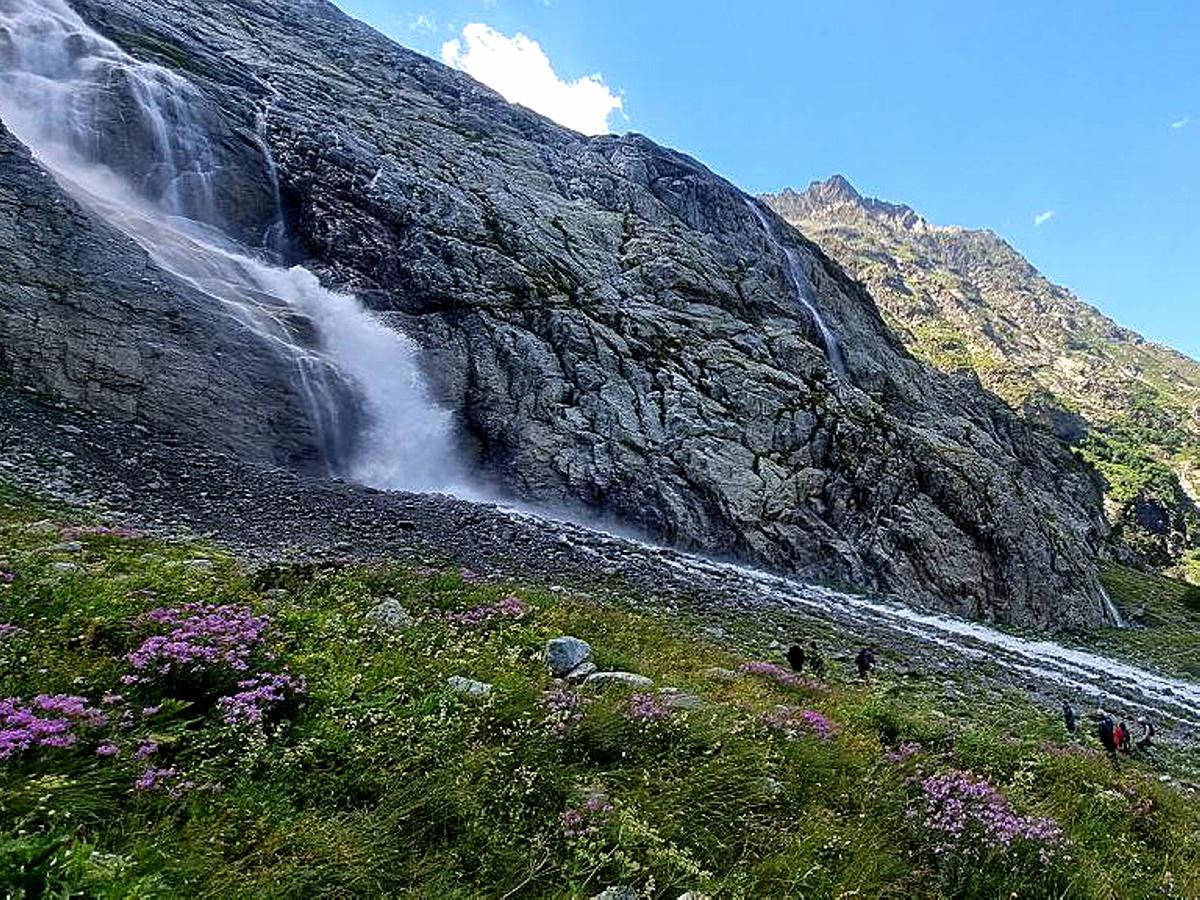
<point>376,778</point>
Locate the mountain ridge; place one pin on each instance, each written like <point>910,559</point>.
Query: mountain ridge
<point>967,300</point>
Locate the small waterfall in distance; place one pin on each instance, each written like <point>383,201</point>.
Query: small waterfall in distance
<point>130,141</point>
<point>800,287</point>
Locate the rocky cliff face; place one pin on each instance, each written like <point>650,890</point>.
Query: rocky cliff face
<point>967,301</point>
<point>85,314</point>
<point>619,332</point>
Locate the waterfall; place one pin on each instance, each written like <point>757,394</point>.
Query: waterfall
<point>800,287</point>
<point>132,143</point>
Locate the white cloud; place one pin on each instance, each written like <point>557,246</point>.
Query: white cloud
<point>1181,123</point>
<point>519,69</point>
<point>1042,218</point>
<point>422,24</point>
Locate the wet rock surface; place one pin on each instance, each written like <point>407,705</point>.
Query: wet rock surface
<point>617,331</point>
<point>86,314</point>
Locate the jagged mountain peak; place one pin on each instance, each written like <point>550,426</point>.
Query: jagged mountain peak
<point>835,196</point>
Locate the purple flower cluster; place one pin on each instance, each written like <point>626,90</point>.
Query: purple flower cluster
<point>965,814</point>
<point>259,695</point>
<point>795,722</point>
<point>74,532</point>
<point>202,637</point>
<point>647,708</point>
<point>779,675</point>
<point>564,710</point>
<point>585,821</point>
<point>507,608</point>
<point>903,752</point>
<point>166,778</point>
<point>7,577</point>
<point>47,721</point>
<point>8,630</point>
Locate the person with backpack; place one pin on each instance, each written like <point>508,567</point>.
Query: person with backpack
<point>1121,738</point>
<point>1145,742</point>
<point>1108,734</point>
<point>865,661</point>
<point>795,657</point>
<point>1069,717</point>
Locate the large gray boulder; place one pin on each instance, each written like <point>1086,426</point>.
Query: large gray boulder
<point>566,655</point>
<point>619,331</point>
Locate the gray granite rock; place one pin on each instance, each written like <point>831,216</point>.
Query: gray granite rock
<point>389,615</point>
<point>566,654</point>
<point>604,679</point>
<point>618,329</point>
<point>468,686</point>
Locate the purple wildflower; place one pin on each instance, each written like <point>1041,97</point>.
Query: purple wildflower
<point>146,749</point>
<point>795,722</point>
<point>75,532</point>
<point>903,752</point>
<point>647,708</point>
<point>779,675</point>
<point>507,608</point>
<point>259,695</point>
<point>8,630</point>
<point>585,821</point>
<point>202,638</point>
<point>150,710</point>
<point>7,577</point>
<point>153,778</point>
<point>111,699</point>
<point>46,721</point>
<point>564,710</point>
<point>963,813</point>
<point>107,749</point>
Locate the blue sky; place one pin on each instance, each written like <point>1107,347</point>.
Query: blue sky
<point>983,114</point>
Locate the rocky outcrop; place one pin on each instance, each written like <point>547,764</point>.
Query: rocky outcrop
<point>86,315</point>
<point>619,333</point>
<point>967,301</point>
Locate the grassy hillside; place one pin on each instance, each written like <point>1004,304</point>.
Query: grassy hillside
<point>966,301</point>
<point>179,724</point>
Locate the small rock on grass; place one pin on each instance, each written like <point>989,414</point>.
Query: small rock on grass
<point>716,673</point>
<point>389,615</point>
<point>673,698</point>
<point>566,654</point>
<point>66,547</point>
<point>603,679</point>
<point>618,892</point>
<point>468,686</point>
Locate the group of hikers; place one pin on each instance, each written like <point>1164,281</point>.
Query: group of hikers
<point>798,658</point>
<point>1115,737</point>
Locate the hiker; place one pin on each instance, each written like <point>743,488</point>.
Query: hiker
<point>1107,731</point>
<point>1124,738</point>
<point>1145,742</point>
<point>795,657</point>
<point>1069,717</point>
<point>865,661</point>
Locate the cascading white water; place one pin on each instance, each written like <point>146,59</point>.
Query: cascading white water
<point>800,287</point>
<point>128,141</point>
